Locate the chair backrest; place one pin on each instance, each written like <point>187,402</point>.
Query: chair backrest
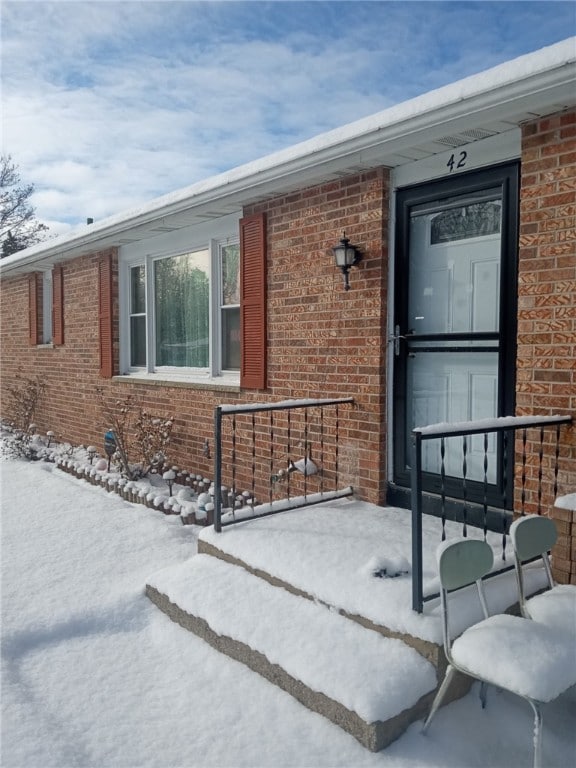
<point>463,562</point>
<point>533,536</point>
<point>460,563</point>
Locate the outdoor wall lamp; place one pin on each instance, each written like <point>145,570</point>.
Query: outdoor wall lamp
<point>346,256</point>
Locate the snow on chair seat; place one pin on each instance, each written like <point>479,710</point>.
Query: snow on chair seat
<point>533,536</point>
<point>525,657</point>
<point>557,607</point>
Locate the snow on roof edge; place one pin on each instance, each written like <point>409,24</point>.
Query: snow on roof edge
<point>523,67</point>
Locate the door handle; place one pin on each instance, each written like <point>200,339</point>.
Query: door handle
<point>397,336</point>
<point>396,339</point>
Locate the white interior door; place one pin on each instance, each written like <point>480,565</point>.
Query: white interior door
<point>453,295</point>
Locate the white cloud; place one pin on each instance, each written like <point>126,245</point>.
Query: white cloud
<point>109,104</point>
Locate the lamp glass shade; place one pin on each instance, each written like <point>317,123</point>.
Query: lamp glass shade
<point>344,254</point>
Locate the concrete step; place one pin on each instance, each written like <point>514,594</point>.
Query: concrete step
<point>371,686</point>
<point>431,651</point>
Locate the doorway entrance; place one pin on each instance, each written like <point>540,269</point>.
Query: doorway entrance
<point>454,321</point>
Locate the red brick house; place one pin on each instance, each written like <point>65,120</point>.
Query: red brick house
<point>462,203</point>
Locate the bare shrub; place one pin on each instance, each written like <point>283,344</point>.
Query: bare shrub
<point>142,438</point>
<point>23,398</point>
<point>152,438</point>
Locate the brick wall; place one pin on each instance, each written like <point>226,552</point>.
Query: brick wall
<point>326,342</point>
<point>70,371</point>
<point>546,377</point>
<point>323,341</point>
<point>564,552</point>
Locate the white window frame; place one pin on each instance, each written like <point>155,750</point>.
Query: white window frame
<point>210,236</point>
<point>151,317</point>
<point>217,247</point>
<point>47,303</point>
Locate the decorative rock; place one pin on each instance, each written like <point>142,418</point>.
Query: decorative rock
<point>203,500</point>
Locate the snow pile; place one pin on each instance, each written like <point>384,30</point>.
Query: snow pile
<point>94,675</point>
<point>566,502</point>
<point>333,550</point>
<point>378,677</point>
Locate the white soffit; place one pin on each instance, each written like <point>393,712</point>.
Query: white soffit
<point>498,148</point>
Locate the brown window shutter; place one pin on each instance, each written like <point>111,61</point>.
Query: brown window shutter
<point>253,301</point>
<point>33,309</point>
<point>58,306</point>
<point>105,316</point>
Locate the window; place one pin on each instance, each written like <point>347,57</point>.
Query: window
<point>192,304</point>
<point>138,316</point>
<point>183,311</point>
<point>46,307</point>
<point>181,291</point>
<point>230,305</point>
<point>466,221</point>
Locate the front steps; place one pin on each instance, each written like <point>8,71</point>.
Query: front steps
<point>370,685</point>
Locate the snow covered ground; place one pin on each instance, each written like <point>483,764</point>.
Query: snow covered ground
<point>94,675</point>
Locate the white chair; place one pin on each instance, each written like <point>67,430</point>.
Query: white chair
<point>533,536</point>
<point>524,657</point>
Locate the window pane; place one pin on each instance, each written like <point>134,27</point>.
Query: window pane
<point>47,308</point>
<point>182,304</point>
<point>231,338</point>
<point>472,220</point>
<point>231,274</point>
<point>137,290</point>
<point>138,316</point>
<point>138,341</point>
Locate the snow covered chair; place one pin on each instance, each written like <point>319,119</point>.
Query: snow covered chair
<point>524,657</point>
<point>533,536</point>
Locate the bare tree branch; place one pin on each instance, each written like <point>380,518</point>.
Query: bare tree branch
<point>19,227</point>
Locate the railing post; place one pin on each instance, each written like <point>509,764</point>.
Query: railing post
<point>416,497</point>
<point>217,469</point>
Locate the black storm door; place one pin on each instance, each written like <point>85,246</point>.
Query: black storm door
<point>455,318</point>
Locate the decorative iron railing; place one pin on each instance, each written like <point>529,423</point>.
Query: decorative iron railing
<point>269,457</point>
<point>493,453</point>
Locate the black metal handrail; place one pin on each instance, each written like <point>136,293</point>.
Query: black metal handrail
<point>289,502</point>
<point>501,426</point>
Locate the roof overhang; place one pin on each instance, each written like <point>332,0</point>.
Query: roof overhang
<point>480,106</point>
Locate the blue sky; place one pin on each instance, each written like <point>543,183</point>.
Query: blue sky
<point>107,104</point>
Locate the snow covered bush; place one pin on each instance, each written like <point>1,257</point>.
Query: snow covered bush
<point>152,438</point>
<point>23,398</point>
<point>142,438</point>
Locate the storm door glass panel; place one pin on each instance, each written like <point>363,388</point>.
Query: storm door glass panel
<point>138,316</point>
<point>448,387</point>
<point>182,310</point>
<point>454,281</point>
<point>453,297</point>
<point>230,305</point>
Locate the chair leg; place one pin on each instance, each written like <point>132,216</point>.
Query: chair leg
<point>483,690</point>
<point>537,734</point>
<point>450,671</point>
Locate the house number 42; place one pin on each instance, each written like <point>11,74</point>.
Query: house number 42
<point>457,161</point>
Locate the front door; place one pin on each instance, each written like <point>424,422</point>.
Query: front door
<point>455,313</point>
